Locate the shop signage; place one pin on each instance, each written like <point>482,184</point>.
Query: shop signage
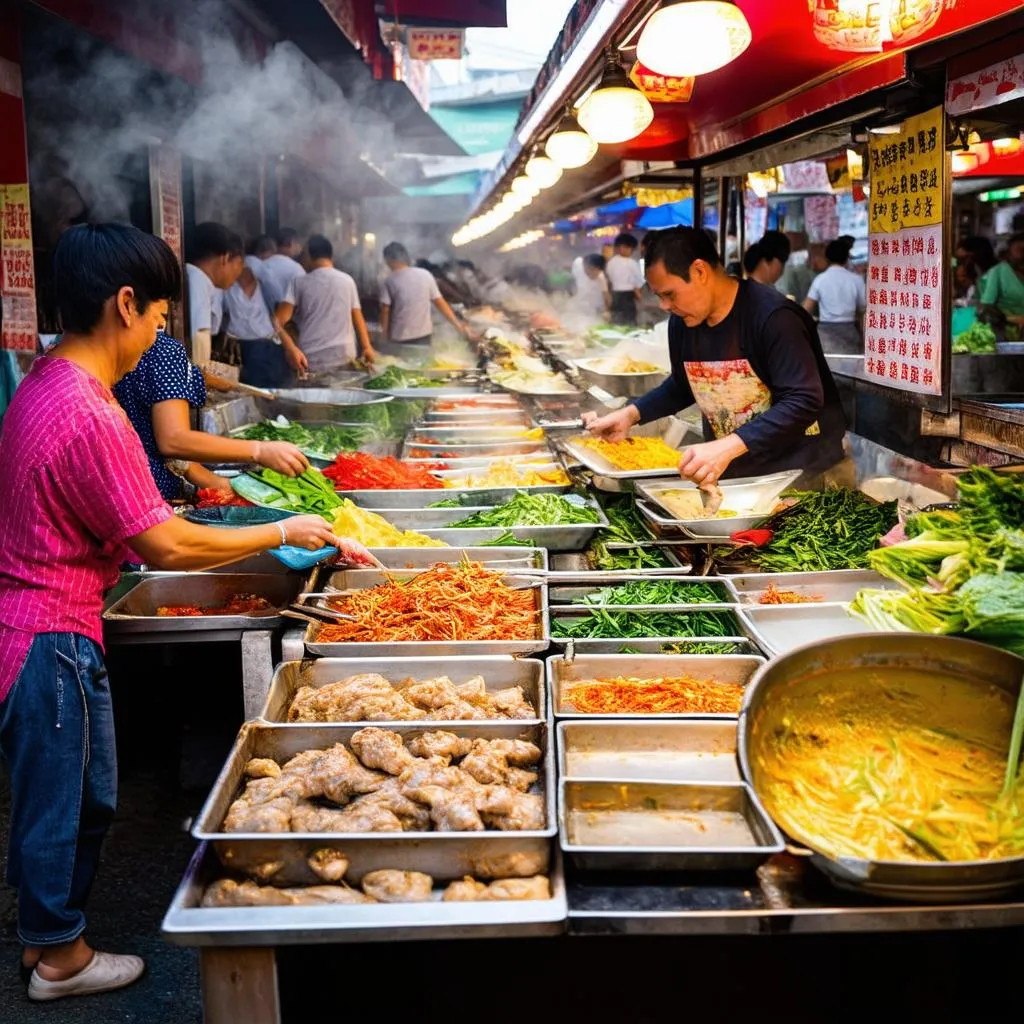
<point>903,328</point>
<point>661,88</point>
<point>435,43</point>
<point>821,218</point>
<point>165,192</point>
<point>17,272</point>
<point>998,83</point>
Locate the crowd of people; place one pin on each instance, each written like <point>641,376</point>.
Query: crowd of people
<point>993,284</point>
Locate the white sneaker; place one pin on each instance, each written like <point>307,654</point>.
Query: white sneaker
<point>105,972</point>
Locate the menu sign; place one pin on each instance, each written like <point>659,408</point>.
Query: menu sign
<point>165,192</point>
<point>903,325</point>
<point>17,271</point>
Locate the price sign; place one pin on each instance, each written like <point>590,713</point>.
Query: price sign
<point>17,271</point>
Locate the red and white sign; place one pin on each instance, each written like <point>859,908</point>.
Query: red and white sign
<point>435,43</point>
<point>903,324</point>
<point>165,191</point>
<point>996,84</point>
<point>821,218</point>
<point>661,88</point>
<point>17,271</point>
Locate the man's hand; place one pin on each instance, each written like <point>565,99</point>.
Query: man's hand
<point>705,463</point>
<point>613,426</point>
<point>369,355</point>
<point>296,358</point>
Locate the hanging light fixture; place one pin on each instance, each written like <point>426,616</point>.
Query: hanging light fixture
<point>524,186</point>
<point>616,111</point>
<point>693,37</point>
<point>1007,146</point>
<point>569,145</point>
<point>542,171</point>
<point>964,161</point>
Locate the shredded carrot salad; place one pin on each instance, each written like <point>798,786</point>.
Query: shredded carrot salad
<point>446,602</point>
<point>665,696</point>
<point>775,596</point>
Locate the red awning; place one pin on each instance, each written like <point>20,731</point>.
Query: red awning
<point>464,14</point>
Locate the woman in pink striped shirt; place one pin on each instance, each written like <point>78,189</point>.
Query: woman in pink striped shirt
<point>76,494</point>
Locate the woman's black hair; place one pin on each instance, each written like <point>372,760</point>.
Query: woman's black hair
<point>677,248</point>
<point>626,239</point>
<point>595,260</point>
<point>981,250</point>
<point>92,262</point>
<point>775,246</point>
<point>212,239</point>
<point>838,250</point>
<point>319,248</point>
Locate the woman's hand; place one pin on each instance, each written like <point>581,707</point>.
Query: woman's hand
<point>310,532</point>
<point>615,425</point>
<point>296,358</point>
<point>280,455</point>
<point>705,463</point>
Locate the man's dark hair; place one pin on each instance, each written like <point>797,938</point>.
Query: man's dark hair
<point>397,253</point>
<point>264,245</point>
<point>212,239</point>
<point>838,251</point>
<point>319,248</point>
<point>752,257</point>
<point>285,237</point>
<point>775,246</point>
<point>595,260</point>
<point>626,239</point>
<point>92,262</point>
<point>677,248</point>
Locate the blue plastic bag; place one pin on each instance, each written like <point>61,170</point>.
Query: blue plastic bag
<point>301,559</point>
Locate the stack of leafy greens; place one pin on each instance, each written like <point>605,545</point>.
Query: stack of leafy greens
<point>527,509</point>
<point>309,493</point>
<point>963,570</point>
<point>978,339</point>
<point>658,592</point>
<point>321,441</point>
<point>602,624</point>
<point>625,526</point>
<point>395,377</point>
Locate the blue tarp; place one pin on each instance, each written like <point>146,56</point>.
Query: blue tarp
<point>627,205</point>
<point>564,227</point>
<point>668,216</point>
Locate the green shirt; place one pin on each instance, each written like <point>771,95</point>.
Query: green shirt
<point>1003,288</point>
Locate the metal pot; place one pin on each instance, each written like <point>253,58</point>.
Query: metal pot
<point>918,881</point>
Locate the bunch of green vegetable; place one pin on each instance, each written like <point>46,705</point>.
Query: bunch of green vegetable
<point>396,377</point>
<point>324,440</point>
<point>310,492</point>
<point>991,501</point>
<point>826,530</point>
<point>625,526</point>
<point>978,339</point>
<point>527,509</point>
<point>602,624</point>
<point>657,592</point>
<point>695,647</point>
<point>507,540</point>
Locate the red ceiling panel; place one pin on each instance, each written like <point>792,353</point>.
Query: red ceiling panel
<point>463,14</point>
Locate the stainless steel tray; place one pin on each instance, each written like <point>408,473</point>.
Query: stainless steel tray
<point>366,578</point>
<point>136,611</point>
<point>600,465</point>
<point>566,612</point>
<point>484,433</point>
<point>484,450</point>
<point>504,415</point>
<point>827,587</point>
<point>319,404</point>
<point>428,393</point>
<point>421,498</point>
<point>507,559</point>
<point>628,385</point>
<point>570,594</point>
<point>490,854</point>
<point>690,647</point>
<point>187,923</point>
<point>675,826</point>
<point>781,628</point>
<point>727,668</point>
<point>655,751</point>
<point>498,671</point>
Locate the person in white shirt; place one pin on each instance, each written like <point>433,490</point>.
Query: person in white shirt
<point>281,265</point>
<point>838,296</point>
<point>263,355</point>
<point>592,294</point>
<point>625,280</point>
<point>406,297</point>
<point>216,263</point>
<point>325,307</point>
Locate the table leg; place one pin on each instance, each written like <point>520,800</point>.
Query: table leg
<point>257,670</point>
<point>239,984</point>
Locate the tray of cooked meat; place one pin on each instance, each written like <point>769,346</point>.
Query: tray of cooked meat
<point>381,901</point>
<point>479,796</point>
<point>490,688</point>
<point>198,602</point>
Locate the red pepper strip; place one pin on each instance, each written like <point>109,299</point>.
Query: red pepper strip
<point>758,538</point>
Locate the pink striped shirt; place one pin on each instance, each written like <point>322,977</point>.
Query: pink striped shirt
<point>74,486</point>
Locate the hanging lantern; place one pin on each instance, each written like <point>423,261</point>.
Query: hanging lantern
<point>964,161</point>
<point>523,186</point>
<point>910,19</point>
<point>569,145</point>
<point>1007,147</point>
<point>543,171</point>
<point>853,26</point>
<point>693,37</point>
<point>982,150</point>
<point>616,111</point>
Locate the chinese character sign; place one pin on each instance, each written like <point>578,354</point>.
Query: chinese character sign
<point>435,43</point>
<point>17,272</point>
<point>165,190</point>
<point>903,325</point>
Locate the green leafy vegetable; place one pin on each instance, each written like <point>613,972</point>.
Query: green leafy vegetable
<point>625,527</point>
<point>507,540</point>
<point>310,493</point>
<point>978,339</point>
<point>602,624</point>
<point>991,501</point>
<point>532,510</point>
<point>657,592</point>
<point>395,377</point>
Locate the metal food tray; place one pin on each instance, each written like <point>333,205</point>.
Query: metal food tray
<point>652,751</point>
<point>600,465</point>
<point>628,385</point>
<point>505,558</point>
<point>576,611</point>
<point>784,627</point>
<point>499,673</point>
<point>136,611</point>
<point>492,450</point>
<point>726,668</point>
<point>484,433</point>
<point>490,854</point>
<point>319,404</point>
<point>501,415</point>
<point>741,645</point>
<point>694,841</point>
<point>565,594</point>
<point>829,587</point>
<point>424,497</point>
<point>187,923</point>
<point>428,393</point>
<point>747,492</point>
<point>363,579</point>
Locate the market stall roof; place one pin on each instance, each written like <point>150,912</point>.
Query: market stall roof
<point>667,216</point>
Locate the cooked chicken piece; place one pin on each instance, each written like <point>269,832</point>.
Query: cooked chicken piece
<point>262,768</point>
<point>488,762</point>
<point>473,690</point>
<point>468,890</point>
<point>510,703</point>
<point>381,748</point>
<point>338,776</point>
<point>357,817</point>
<point>264,806</point>
<point>361,698</point>
<point>435,773</point>
<point>450,811</point>
<point>227,893</point>
<point>391,797</point>
<point>536,888</point>
<point>510,811</point>
<point>265,872</point>
<point>430,694</point>
<point>327,864</point>
<point>510,864</point>
<point>458,711</point>
<point>443,745</point>
<point>389,886</point>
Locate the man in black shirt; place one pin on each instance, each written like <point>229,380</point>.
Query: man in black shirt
<point>748,357</point>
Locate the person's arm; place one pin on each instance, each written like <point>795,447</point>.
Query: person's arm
<point>199,476</point>
<point>385,322</point>
<point>176,439</point>
<point>606,292</point>
<point>294,355</point>
<point>813,297</point>
<point>449,314</point>
<point>363,334</point>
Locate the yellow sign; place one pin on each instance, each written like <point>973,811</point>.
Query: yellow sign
<point>906,174</point>
<point>656,196</point>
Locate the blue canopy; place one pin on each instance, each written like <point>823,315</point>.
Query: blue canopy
<point>626,205</point>
<point>565,227</point>
<point>668,216</point>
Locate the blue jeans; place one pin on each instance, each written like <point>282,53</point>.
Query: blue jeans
<point>264,364</point>
<point>57,737</point>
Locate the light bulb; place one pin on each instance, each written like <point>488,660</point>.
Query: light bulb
<point>543,171</point>
<point>523,186</point>
<point>569,145</point>
<point>616,111</point>
<point>693,37</point>
<point>964,160</point>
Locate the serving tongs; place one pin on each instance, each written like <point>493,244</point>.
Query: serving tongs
<point>315,614</point>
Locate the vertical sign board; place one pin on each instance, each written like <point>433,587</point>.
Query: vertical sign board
<point>166,204</point>
<point>904,324</point>
<point>17,272</point>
